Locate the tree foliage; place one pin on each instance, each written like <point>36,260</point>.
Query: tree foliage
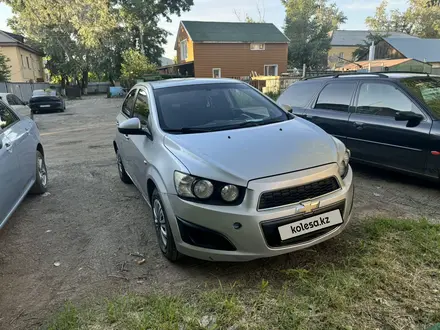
<point>82,36</point>
<point>308,24</point>
<point>5,69</point>
<point>422,18</point>
<point>135,65</point>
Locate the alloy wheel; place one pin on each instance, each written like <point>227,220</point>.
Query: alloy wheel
<point>159,222</point>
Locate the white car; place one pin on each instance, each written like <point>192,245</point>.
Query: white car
<point>15,103</point>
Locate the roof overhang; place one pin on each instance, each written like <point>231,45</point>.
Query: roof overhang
<point>23,46</point>
<point>175,65</point>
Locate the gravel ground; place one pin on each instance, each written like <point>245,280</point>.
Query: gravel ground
<point>90,222</point>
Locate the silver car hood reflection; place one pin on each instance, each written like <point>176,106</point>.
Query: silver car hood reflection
<point>240,155</point>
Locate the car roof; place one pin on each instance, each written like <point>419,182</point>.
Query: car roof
<point>367,75</point>
<point>186,82</point>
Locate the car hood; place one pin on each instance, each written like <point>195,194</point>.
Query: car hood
<point>240,155</point>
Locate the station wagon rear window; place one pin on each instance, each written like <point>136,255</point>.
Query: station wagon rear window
<point>427,90</point>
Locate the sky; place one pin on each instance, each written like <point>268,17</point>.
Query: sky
<point>223,10</point>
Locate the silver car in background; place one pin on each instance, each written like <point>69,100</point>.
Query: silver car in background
<point>22,164</point>
<point>229,175</point>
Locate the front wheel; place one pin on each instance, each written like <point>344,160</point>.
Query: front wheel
<point>163,230</point>
<point>40,184</point>
<point>121,170</point>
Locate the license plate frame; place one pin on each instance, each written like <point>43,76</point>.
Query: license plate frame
<point>310,224</point>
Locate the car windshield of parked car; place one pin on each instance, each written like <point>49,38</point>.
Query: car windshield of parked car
<point>214,107</point>
<point>427,90</point>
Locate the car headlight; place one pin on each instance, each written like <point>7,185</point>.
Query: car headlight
<point>207,191</point>
<point>343,165</point>
<point>229,193</point>
<point>203,189</point>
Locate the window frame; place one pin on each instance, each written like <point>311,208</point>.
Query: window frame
<point>14,115</point>
<point>148,102</point>
<point>309,104</point>
<point>219,72</point>
<point>351,103</point>
<point>396,86</point>
<point>258,48</point>
<point>276,69</point>
<point>135,89</point>
<point>185,42</point>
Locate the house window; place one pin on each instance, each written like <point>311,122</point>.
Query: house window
<point>27,61</point>
<point>258,46</point>
<point>271,70</point>
<point>22,61</point>
<point>183,50</point>
<point>216,73</point>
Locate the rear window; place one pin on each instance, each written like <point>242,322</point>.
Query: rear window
<point>36,99</point>
<point>427,90</point>
<point>299,94</point>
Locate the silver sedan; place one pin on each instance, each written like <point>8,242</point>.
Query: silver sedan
<point>229,174</point>
<point>22,164</point>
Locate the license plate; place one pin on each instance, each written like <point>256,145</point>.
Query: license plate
<point>45,106</point>
<point>309,225</point>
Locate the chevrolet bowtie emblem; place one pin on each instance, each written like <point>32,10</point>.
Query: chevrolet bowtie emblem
<point>307,207</point>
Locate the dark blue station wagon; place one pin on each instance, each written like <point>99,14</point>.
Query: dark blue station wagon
<point>388,120</point>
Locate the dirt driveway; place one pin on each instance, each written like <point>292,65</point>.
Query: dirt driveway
<point>90,222</point>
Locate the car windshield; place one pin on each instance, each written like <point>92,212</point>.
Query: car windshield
<point>427,90</point>
<point>214,107</point>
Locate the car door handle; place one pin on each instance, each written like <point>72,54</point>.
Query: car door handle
<point>358,125</point>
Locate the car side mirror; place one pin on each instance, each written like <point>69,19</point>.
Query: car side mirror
<point>133,126</point>
<point>287,108</point>
<point>408,116</point>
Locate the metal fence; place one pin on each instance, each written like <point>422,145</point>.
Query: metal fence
<point>22,90</point>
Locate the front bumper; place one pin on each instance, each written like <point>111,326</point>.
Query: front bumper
<point>251,240</point>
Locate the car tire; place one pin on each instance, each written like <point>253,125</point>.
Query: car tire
<point>40,184</point>
<point>121,170</point>
<point>162,227</point>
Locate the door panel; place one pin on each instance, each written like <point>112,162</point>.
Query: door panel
<point>331,109</point>
<point>123,140</point>
<point>26,148</point>
<point>375,136</point>
<point>141,145</point>
<point>10,191</point>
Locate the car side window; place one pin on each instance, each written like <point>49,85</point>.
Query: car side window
<point>7,117</point>
<point>336,96</point>
<point>142,107</point>
<point>11,100</point>
<point>299,94</point>
<point>127,106</point>
<point>383,100</point>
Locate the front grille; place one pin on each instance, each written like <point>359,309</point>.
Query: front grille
<point>297,194</point>
<point>272,235</point>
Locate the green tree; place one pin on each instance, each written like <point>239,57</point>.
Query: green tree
<point>135,65</point>
<point>308,24</point>
<point>5,69</point>
<point>141,21</point>
<point>422,18</point>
